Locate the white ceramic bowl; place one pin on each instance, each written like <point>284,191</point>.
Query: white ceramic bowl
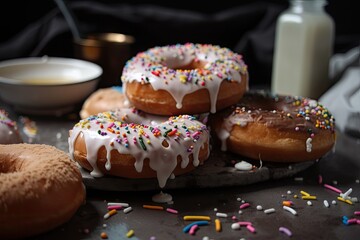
<point>47,85</point>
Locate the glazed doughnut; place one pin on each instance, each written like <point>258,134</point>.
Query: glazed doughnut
<point>276,128</point>
<point>9,132</point>
<point>40,189</point>
<point>185,79</point>
<point>103,100</point>
<point>129,146</point>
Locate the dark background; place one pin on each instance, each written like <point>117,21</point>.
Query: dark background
<point>37,28</point>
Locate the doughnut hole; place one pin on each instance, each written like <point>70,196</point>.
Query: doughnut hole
<point>5,167</point>
<point>194,64</point>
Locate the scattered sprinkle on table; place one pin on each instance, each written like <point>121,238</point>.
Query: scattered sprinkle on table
<point>346,194</point>
<point>170,210</point>
<point>130,233</point>
<point>235,226</point>
<point>110,213</point>
<point>345,200</point>
<point>217,225</point>
<point>223,215</point>
<point>118,207</point>
<point>308,197</point>
<point>199,223</point>
<point>244,205</point>
<point>269,210</point>
<point>332,188</point>
<point>127,210</point>
<point>286,231</point>
<point>117,204</point>
<point>304,193</point>
<point>251,228</point>
<point>153,207</point>
<point>195,218</point>
<point>193,229</point>
<point>289,209</point>
<point>103,235</point>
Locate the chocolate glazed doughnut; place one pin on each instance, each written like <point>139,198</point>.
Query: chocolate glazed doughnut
<point>276,128</point>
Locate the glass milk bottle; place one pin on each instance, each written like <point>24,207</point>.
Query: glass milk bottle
<point>303,47</point>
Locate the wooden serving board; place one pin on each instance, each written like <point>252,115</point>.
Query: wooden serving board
<point>217,171</point>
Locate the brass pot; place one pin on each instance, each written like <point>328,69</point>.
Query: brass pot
<point>109,50</point>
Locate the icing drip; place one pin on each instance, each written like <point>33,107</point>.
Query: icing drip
<point>282,112</point>
<point>161,143</point>
<point>308,145</point>
<point>161,67</point>
<point>243,166</point>
<point>162,197</point>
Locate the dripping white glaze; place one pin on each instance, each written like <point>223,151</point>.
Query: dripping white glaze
<point>243,166</point>
<point>162,197</point>
<point>224,131</point>
<point>184,136</point>
<point>158,66</point>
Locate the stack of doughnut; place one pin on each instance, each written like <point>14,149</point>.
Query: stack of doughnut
<point>181,81</point>
<point>176,82</point>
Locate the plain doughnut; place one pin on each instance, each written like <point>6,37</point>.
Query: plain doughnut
<point>185,79</point>
<point>276,128</point>
<point>40,189</point>
<point>103,100</point>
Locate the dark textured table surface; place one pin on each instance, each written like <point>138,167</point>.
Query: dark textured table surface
<point>340,169</point>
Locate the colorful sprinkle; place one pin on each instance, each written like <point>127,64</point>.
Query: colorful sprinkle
<point>193,229</point>
<point>286,231</point>
<point>244,205</point>
<point>289,209</point>
<point>153,207</point>
<point>195,218</point>
<point>170,210</point>
<point>199,223</point>
<point>110,213</point>
<point>332,188</point>
<point>218,225</point>
<point>130,233</point>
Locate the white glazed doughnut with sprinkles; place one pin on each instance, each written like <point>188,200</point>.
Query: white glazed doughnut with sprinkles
<point>276,128</point>
<point>185,79</point>
<point>108,144</point>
